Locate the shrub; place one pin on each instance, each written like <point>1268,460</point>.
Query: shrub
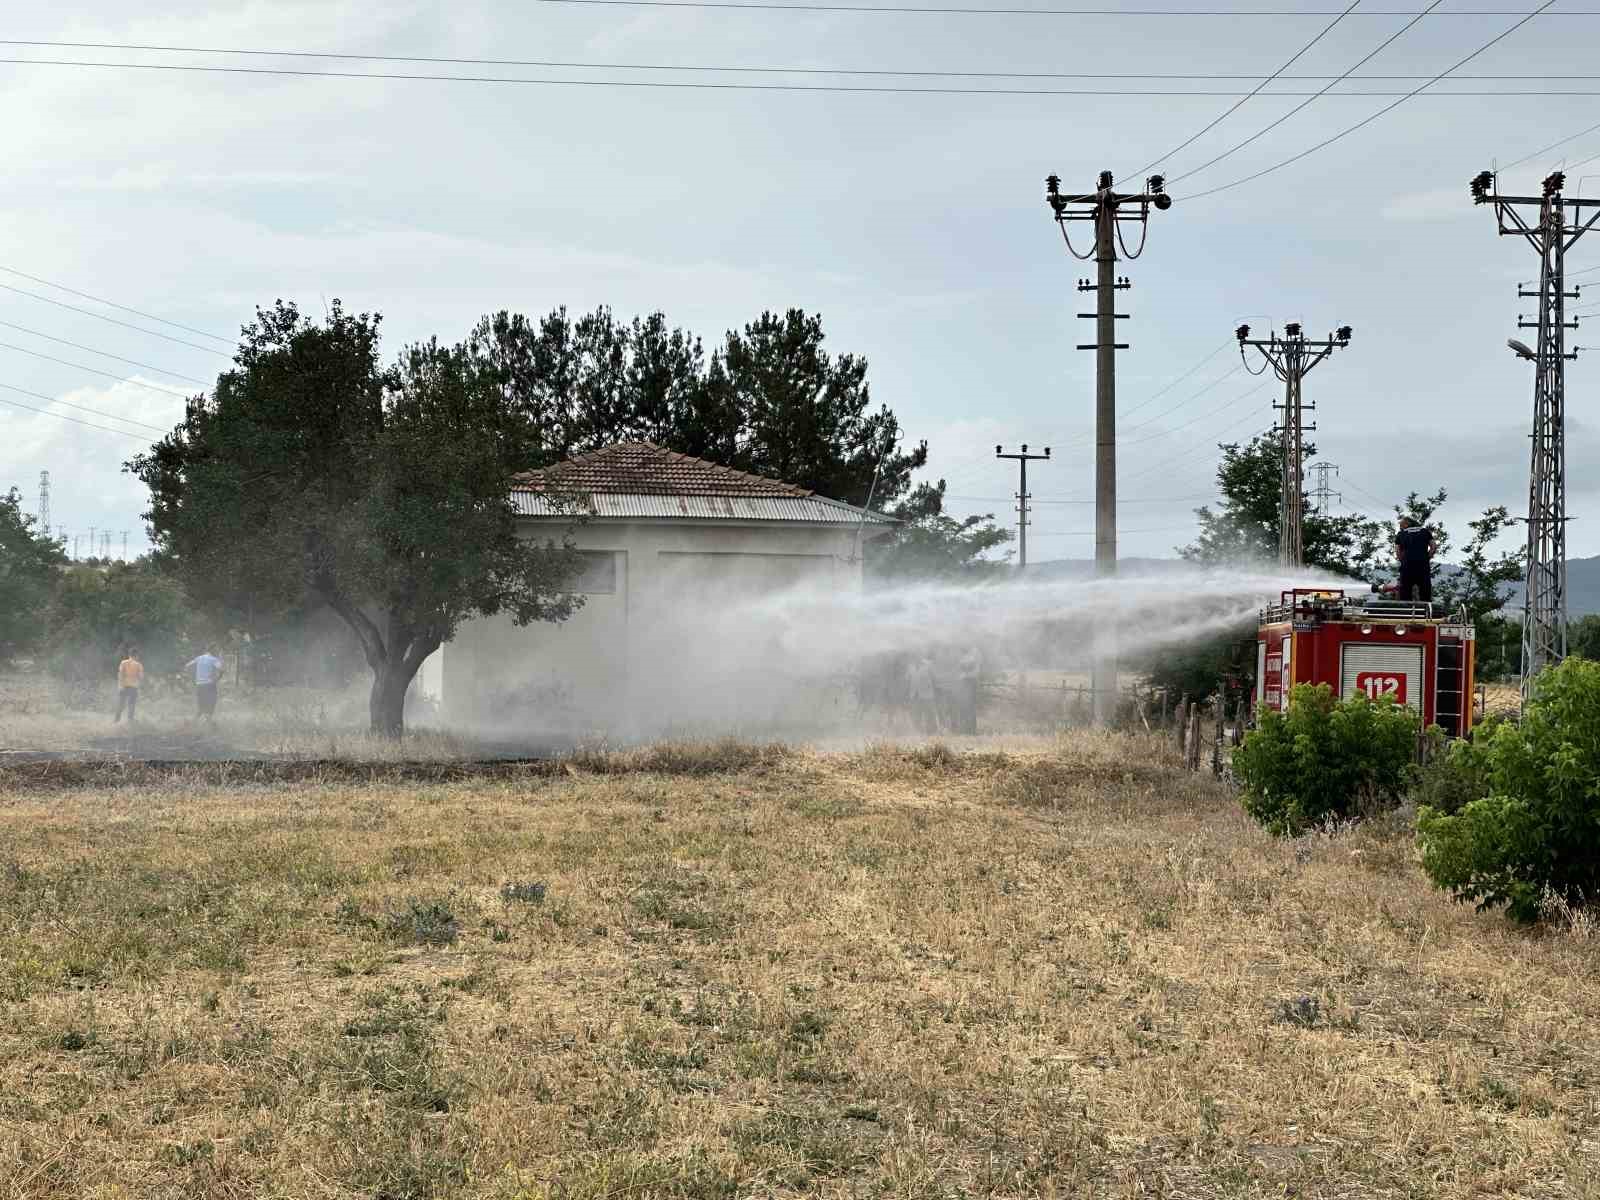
<point>1325,759</point>
<point>1536,833</point>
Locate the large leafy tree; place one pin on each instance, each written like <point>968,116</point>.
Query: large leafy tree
<point>30,565</point>
<point>1245,525</point>
<point>382,492</point>
<point>770,399</point>
<point>930,545</point>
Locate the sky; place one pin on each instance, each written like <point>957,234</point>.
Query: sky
<point>914,223</point>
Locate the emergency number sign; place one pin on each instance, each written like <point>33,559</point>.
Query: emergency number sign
<point>1374,684</point>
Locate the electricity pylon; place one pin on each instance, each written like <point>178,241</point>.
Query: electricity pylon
<point>1550,230</point>
<point>1292,358</point>
<point>1108,210</point>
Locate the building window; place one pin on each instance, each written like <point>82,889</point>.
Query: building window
<point>599,574</point>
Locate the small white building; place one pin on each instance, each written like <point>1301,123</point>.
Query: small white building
<point>682,622</point>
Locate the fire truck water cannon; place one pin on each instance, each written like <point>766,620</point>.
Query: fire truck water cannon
<point>1373,645</point>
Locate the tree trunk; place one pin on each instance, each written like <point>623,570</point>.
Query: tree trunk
<point>387,703</point>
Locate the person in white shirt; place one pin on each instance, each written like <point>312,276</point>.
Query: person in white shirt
<point>207,670</point>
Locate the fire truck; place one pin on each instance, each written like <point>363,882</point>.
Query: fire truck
<point>1371,646</point>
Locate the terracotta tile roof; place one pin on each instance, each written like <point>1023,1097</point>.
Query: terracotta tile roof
<point>646,469</point>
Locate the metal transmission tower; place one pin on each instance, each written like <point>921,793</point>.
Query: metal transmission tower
<point>44,503</point>
<point>1551,223</point>
<point>1107,210</point>
<point>1023,496</point>
<point>1292,358</point>
<point>1323,492</point>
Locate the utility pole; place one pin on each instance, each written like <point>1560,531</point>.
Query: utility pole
<point>124,545</point>
<point>75,539</point>
<point>1292,357</point>
<point>44,503</point>
<point>105,545</point>
<point>1023,496</point>
<point>91,541</point>
<point>1549,229</point>
<point>1107,210</point>
<point>1322,491</point>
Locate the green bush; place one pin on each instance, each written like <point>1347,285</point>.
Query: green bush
<point>1325,759</point>
<point>1537,828</point>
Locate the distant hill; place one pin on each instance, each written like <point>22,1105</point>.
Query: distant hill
<point>1583,577</point>
<point>1583,588</point>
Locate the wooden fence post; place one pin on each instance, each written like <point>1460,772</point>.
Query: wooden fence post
<point>1182,722</point>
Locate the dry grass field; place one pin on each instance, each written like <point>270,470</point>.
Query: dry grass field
<point>1065,969</point>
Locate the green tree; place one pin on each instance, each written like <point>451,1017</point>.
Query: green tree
<point>1537,830</point>
<point>929,545</point>
<point>1244,527</point>
<point>1583,637</point>
<point>102,609</point>
<point>30,565</point>
<point>806,416</point>
<point>770,399</point>
<point>383,492</point>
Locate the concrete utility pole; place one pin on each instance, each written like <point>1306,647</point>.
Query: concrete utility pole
<point>1023,496</point>
<point>124,545</point>
<point>1551,233</point>
<point>1292,358</point>
<point>1107,210</point>
<point>44,503</point>
<point>1323,492</point>
<point>91,541</point>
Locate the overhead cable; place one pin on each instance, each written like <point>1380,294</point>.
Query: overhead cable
<point>112,320</point>
<point>103,353</point>
<point>1310,100</point>
<point>574,65</point>
<point>61,287</point>
<point>703,85</point>
<point>154,387</point>
<point>1388,108</point>
<point>940,10</point>
<point>63,416</point>
<point>1240,103</point>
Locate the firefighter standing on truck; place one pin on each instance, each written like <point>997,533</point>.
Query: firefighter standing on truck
<point>1413,546</point>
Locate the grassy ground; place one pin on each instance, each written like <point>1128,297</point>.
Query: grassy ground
<point>727,971</point>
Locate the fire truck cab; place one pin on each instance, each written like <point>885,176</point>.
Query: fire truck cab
<point>1368,645</point>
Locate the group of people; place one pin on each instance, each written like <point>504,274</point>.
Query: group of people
<point>207,673</point>
<point>942,691</point>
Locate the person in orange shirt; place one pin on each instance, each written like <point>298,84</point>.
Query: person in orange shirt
<point>130,675</point>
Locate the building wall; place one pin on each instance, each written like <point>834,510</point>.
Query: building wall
<point>681,641</point>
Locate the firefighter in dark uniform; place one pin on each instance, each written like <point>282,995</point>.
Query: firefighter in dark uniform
<point>1413,546</point>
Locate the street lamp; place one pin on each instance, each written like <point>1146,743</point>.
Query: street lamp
<point>1522,350</point>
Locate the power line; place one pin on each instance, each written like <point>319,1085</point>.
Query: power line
<point>1387,108</point>
<point>1090,532</point>
<point>1255,91</point>
<point>1546,149</point>
<point>61,287</point>
<point>1167,413</point>
<point>1224,407</point>
<point>1309,101</point>
<point>574,65</point>
<point>154,387</point>
<point>1120,499</point>
<point>103,353</point>
<point>1154,396</point>
<point>1040,12</point>
<point>701,85</point>
<point>81,408</point>
<point>63,416</point>
<point>112,320</point>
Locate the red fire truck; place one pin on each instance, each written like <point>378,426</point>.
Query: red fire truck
<point>1368,645</point>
